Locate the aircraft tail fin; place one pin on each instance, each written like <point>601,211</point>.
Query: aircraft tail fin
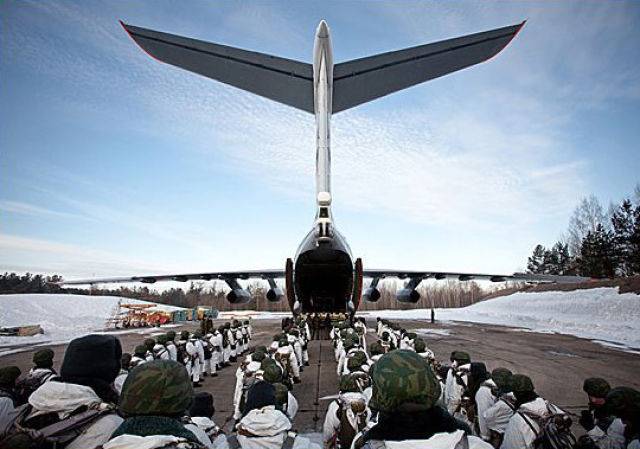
<point>362,80</point>
<point>279,79</point>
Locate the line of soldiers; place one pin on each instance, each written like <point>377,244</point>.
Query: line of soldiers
<point>397,394</point>
<point>203,353</point>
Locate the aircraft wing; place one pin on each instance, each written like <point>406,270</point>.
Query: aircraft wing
<point>362,80</point>
<point>515,277</point>
<point>279,79</point>
<point>221,275</point>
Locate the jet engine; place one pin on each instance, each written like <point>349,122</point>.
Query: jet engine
<point>238,296</point>
<point>275,294</point>
<point>408,295</point>
<point>371,294</point>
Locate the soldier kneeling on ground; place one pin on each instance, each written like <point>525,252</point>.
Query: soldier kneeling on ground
<point>405,392</point>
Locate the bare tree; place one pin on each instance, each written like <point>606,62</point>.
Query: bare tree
<point>586,218</point>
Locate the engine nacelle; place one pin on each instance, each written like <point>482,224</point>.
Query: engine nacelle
<point>238,296</point>
<point>408,295</point>
<point>371,294</point>
<point>275,294</point>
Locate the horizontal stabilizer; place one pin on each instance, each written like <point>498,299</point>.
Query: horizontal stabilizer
<point>279,79</point>
<point>362,80</point>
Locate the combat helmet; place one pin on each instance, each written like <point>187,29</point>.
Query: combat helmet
<point>149,343</point>
<point>160,387</point>
<point>140,351</point>
<point>403,381</point>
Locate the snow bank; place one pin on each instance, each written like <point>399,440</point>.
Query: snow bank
<point>597,314</point>
<point>62,317</point>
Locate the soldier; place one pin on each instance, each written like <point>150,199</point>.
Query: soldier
<point>422,350</point>
<point>287,359</point>
<point>171,346</point>
<point>149,343</point>
<point>154,398</point>
<point>405,392</point>
<point>624,402</point>
<point>346,416</point>
<point>263,425</point>
<point>139,356</point>
<point>41,372</point>
<point>231,337</point>
<point>193,359</point>
<point>497,416</point>
<point>8,398</point>
<point>91,364</point>
<point>200,421</point>
<point>125,366</point>
<point>526,425</point>
<point>159,349</point>
<point>216,346</point>
<point>196,338</point>
<point>8,377</point>
<point>456,379</point>
<point>604,430</point>
<point>210,365</point>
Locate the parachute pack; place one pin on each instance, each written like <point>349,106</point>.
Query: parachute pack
<point>48,431</point>
<point>554,429</point>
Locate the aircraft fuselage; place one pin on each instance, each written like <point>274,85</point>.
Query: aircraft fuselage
<point>323,267</point>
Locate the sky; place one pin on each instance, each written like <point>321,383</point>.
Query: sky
<point>112,163</point>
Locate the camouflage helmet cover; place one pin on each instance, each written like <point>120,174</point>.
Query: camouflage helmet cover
<point>149,343</point>
<point>502,378</point>
<point>160,387</point>
<point>348,384</point>
<point>355,361</point>
<point>596,387</point>
<point>624,402</point>
<point>521,384</point>
<point>171,335</point>
<point>402,380</point>
<point>140,350</point>
<point>419,345</point>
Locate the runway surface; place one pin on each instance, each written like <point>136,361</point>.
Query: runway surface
<point>558,364</point>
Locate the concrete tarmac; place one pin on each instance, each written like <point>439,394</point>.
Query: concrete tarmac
<point>558,364</point>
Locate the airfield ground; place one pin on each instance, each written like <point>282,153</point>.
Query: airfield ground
<point>558,364</point>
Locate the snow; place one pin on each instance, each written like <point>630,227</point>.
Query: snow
<point>62,317</point>
<point>600,314</point>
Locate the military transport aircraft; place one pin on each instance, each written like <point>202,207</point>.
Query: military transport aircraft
<point>323,276</point>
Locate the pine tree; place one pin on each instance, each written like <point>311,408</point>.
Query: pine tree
<point>535,264</point>
<point>597,254</point>
<point>626,229</point>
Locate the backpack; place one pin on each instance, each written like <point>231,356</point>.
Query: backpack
<point>29,384</point>
<point>346,433</point>
<point>47,431</point>
<point>208,351</point>
<point>554,429</point>
<point>283,360</point>
<point>181,353</point>
<point>247,383</point>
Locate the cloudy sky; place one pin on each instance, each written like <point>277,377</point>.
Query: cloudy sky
<point>112,163</point>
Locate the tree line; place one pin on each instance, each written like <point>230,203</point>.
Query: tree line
<point>597,244</point>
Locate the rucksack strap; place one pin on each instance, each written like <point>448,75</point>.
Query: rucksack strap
<point>232,441</point>
<point>463,443</point>
<point>71,427</point>
<point>288,442</point>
